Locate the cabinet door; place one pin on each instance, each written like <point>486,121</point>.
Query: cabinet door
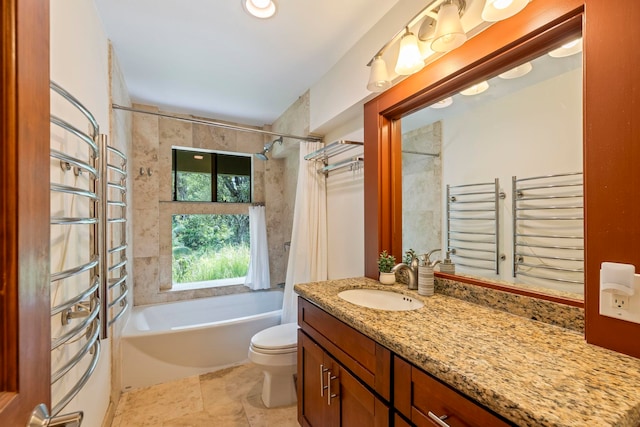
<point>357,405</point>
<point>328,395</point>
<point>311,388</point>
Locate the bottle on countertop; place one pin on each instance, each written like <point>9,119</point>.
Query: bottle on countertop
<point>447,266</point>
<point>425,274</point>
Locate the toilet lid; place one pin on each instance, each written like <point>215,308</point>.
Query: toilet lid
<point>276,337</point>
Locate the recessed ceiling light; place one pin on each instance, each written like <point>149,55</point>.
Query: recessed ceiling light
<point>443,103</point>
<point>262,9</point>
<point>198,157</point>
<point>475,89</point>
<point>516,72</point>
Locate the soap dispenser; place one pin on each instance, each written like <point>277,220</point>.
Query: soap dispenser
<point>447,266</point>
<point>425,274</point>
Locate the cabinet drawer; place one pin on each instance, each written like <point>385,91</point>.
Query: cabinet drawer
<point>368,360</point>
<point>417,394</point>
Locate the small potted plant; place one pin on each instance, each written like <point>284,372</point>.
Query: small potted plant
<point>385,264</point>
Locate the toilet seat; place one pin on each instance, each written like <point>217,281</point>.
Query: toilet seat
<point>279,339</point>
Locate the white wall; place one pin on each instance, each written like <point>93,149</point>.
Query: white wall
<point>533,132</point>
<point>79,63</point>
<point>345,214</point>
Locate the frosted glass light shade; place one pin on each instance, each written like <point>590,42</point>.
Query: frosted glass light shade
<point>516,72</point>
<point>497,10</point>
<point>409,59</point>
<point>378,78</point>
<point>567,49</point>
<point>260,8</point>
<point>449,32</point>
<point>476,88</point>
<point>443,103</point>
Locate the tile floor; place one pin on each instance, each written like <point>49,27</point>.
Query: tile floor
<point>230,397</point>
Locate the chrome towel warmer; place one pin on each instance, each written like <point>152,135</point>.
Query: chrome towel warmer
<point>473,224</point>
<point>84,315</point>
<point>548,224</point>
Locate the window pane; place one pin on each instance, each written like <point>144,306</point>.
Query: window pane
<point>234,189</point>
<point>192,174</point>
<point>233,178</point>
<point>193,187</point>
<point>210,247</point>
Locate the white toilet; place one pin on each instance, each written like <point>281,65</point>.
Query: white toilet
<point>275,351</point>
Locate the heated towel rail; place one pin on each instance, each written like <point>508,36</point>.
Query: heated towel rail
<point>473,224</point>
<point>548,223</point>
<point>82,211</point>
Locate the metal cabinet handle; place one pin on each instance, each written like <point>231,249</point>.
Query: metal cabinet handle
<point>439,420</point>
<point>322,386</point>
<point>40,418</point>
<point>329,395</point>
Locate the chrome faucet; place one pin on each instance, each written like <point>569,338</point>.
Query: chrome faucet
<point>412,271</point>
<point>427,260</point>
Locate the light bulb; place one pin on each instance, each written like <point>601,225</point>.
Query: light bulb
<point>260,8</point>
<point>409,58</point>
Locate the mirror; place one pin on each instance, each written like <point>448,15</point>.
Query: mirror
<point>492,175</point>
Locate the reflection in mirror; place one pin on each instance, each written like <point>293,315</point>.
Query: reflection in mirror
<point>466,158</point>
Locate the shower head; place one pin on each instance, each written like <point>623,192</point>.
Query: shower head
<point>267,147</point>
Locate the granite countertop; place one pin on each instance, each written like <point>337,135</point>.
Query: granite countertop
<point>532,373</point>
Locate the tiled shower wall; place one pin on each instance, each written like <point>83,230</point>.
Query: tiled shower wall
<point>153,139</point>
<point>422,189</point>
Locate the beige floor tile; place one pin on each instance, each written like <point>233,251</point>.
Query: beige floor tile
<point>206,419</point>
<point>261,416</point>
<point>225,398</point>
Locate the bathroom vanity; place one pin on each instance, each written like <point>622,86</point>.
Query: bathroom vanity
<point>452,363</point>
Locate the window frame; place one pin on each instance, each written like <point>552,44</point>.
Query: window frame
<point>213,175</point>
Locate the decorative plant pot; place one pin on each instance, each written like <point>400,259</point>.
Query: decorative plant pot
<point>387,278</point>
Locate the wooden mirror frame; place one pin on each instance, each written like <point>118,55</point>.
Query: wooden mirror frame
<point>611,157</point>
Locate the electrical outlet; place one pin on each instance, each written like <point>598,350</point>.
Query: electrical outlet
<point>620,302</point>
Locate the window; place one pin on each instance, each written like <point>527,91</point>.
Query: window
<point>211,177</point>
<point>210,247</point>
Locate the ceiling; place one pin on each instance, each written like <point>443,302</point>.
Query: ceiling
<point>210,58</point>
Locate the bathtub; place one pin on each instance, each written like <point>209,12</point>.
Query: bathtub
<point>165,342</point>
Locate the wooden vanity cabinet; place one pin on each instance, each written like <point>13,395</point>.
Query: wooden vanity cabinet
<point>422,399</point>
<point>344,377</point>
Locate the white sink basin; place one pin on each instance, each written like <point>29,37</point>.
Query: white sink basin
<point>381,300</point>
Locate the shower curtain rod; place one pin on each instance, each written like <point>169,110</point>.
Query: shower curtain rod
<point>217,124</point>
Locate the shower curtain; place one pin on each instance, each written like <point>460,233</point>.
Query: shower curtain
<point>258,274</point>
<point>308,253</point>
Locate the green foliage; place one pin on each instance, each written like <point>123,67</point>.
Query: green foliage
<point>209,247</point>
<point>409,256</point>
<point>228,262</point>
<point>193,187</point>
<point>234,189</point>
<point>386,262</point>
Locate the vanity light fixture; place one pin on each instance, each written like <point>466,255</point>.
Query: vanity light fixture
<point>497,10</point>
<point>449,32</point>
<point>440,31</point>
<point>567,49</point>
<point>379,77</point>
<point>409,58</point>
<point>443,103</point>
<point>516,72</point>
<point>476,88</point>
<point>262,9</point>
